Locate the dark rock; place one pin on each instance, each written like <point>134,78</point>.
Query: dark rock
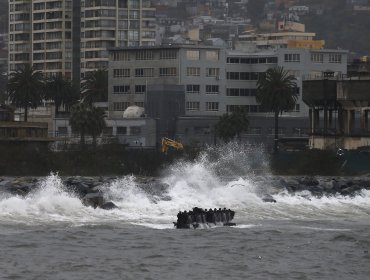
<point>268,198</point>
<point>108,206</point>
<point>5,185</point>
<point>309,181</point>
<point>78,188</point>
<point>25,188</point>
<point>19,192</point>
<point>349,191</point>
<point>335,186</point>
<point>93,199</point>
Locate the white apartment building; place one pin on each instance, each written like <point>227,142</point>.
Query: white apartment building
<point>65,36</point>
<point>113,23</point>
<point>215,80</point>
<point>40,34</point>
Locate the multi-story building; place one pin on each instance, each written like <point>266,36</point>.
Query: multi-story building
<point>46,33</point>
<point>40,33</point>
<point>285,39</point>
<point>215,80</point>
<point>113,23</point>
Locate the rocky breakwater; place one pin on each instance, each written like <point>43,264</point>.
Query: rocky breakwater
<point>316,186</point>
<point>88,189</point>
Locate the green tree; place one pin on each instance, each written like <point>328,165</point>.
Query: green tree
<point>87,120</point>
<point>276,92</point>
<point>95,87</point>
<point>26,88</point>
<point>61,92</point>
<point>96,122</point>
<point>80,121</point>
<point>232,125</point>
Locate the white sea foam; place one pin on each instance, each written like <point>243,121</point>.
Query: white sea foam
<point>199,183</point>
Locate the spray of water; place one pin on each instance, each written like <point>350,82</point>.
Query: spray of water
<point>222,176</point>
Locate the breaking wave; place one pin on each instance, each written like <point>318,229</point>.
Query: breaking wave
<point>220,177</point>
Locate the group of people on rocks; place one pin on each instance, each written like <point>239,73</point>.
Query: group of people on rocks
<point>199,216</point>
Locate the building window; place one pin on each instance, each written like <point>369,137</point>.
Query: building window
<point>121,56</point>
<point>254,76</point>
<point>272,60</point>
<point>192,54</point>
<point>237,92</point>
<point>213,72</point>
<point>233,60</point>
<point>144,72</point>
<point>120,106</point>
<point>144,55</point>
<point>192,106</point>
<point>212,89</point>
<point>169,71</point>
<point>243,76</point>
<point>121,130</point>
<point>233,75</point>
<point>168,54</point>
<point>335,58</point>
<point>140,89</point>
<point>212,55</point>
<point>292,57</point>
<point>121,73</point>
<point>193,71</point>
<point>212,106</point>
<point>317,58</point>
<point>122,89</point>
<point>192,88</point>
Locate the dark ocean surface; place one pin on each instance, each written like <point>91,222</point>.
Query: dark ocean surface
<point>50,234</point>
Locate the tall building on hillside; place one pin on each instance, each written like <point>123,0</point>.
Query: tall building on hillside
<point>40,33</point>
<point>113,23</point>
<point>71,37</point>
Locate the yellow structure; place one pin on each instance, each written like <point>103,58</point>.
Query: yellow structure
<point>306,44</point>
<point>166,143</point>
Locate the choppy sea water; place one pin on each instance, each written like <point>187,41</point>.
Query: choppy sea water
<point>50,235</point>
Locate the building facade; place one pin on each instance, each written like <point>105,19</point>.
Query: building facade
<point>339,110</point>
<point>68,37</point>
<point>215,81</point>
<point>40,34</point>
<point>113,23</point>
<point>285,39</point>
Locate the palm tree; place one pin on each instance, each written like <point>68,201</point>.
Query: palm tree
<point>87,120</point>
<point>95,86</point>
<point>276,92</point>
<point>60,91</point>
<point>25,88</point>
<point>231,125</point>
<point>80,120</point>
<point>96,122</point>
